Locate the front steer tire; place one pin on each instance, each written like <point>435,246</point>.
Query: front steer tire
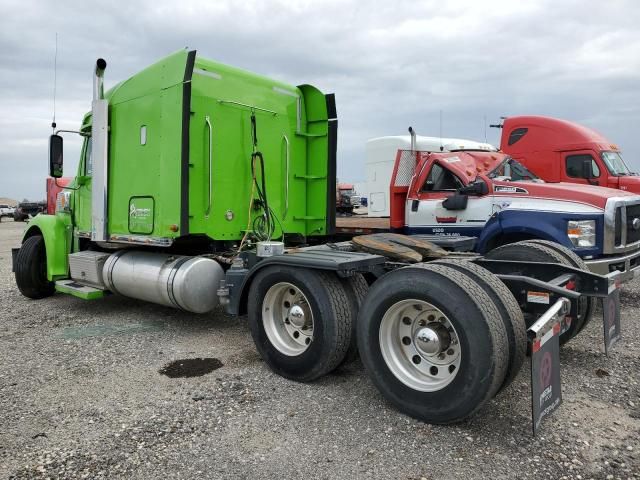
<point>530,251</point>
<point>441,295</point>
<point>320,296</point>
<point>587,305</point>
<point>31,269</point>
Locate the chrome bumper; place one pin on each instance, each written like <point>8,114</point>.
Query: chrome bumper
<point>628,265</point>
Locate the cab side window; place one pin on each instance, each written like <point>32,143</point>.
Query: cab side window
<point>88,160</point>
<point>516,135</point>
<point>573,164</point>
<point>441,179</point>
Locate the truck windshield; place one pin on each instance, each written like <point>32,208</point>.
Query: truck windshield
<point>512,170</point>
<point>615,164</point>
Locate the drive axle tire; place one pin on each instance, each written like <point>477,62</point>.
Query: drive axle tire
<point>31,269</point>
<point>357,288</point>
<point>300,321</point>
<point>510,312</point>
<point>529,251</point>
<point>433,342</point>
<point>587,305</point>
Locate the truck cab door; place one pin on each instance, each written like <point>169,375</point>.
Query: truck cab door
<point>82,207</point>
<point>426,213</point>
<point>573,164</point>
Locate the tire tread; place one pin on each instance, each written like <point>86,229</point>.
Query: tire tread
<point>28,270</point>
<point>512,316</point>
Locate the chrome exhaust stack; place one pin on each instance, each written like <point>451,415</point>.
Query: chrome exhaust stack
<point>100,155</point>
<point>413,139</point>
<point>98,79</point>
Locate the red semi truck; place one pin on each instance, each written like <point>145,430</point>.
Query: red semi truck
<point>561,151</point>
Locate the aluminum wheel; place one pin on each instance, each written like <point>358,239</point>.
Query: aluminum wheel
<point>288,319</point>
<point>420,345</point>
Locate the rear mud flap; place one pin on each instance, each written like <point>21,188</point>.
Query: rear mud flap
<point>544,344</point>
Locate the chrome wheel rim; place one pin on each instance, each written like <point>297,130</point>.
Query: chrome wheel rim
<point>287,319</point>
<point>420,345</point>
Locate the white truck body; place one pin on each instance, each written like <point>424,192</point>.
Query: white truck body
<point>381,156</point>
<point>6,210</point>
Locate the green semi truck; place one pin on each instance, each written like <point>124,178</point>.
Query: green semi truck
<point>202,185</point>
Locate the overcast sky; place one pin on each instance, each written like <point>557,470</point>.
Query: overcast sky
<point>391,64</point>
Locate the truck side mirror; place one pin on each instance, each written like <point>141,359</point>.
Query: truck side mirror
<point>457,201</point>
<point>587,171</point>
<point>55,156</point>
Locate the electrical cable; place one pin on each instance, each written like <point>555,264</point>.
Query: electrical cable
<point>263,226</point>
<point>247,230</point>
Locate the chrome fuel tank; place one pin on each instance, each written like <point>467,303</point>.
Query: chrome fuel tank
<point>189,283</point>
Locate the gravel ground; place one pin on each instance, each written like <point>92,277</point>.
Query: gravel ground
<point>82,396</point>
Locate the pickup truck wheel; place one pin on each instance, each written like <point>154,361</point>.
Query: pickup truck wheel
<point>532,252</point>
<point>507,305</point>
<point>432,342</point>
<point>300,321</point>
<point>357,288</point>
<point>586,305</point>
<point>31,269</point>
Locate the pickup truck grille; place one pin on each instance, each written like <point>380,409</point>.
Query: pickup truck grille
<point>633,223</point>
<point>631,226</point>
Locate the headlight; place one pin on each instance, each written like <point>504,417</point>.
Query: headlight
<point>582,233</point>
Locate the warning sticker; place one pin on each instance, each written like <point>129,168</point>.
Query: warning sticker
<point>538,297</point>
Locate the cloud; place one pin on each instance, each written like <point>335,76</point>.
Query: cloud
<point>391,65</point>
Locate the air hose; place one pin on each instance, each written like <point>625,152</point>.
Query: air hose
<point>264,224</point>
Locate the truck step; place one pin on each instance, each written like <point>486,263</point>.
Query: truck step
<point>79,290</point>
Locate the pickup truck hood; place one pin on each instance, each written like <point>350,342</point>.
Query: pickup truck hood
<point>568,192</point>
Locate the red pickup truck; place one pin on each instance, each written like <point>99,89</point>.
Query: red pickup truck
<point>561,151</point>
<point>495,199</point>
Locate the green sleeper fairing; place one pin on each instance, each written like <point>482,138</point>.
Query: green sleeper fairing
<point>180,145</point>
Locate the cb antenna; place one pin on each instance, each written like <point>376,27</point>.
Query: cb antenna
<point>484,118</point>
<point>441,144</point>
<point>55,81</point>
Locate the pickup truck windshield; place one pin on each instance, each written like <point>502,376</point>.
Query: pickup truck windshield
<point>512,170</point>
<point>615,164</point>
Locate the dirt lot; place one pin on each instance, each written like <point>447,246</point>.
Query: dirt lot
<point>82,396</point>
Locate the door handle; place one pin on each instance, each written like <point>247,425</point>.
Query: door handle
<point>208,122</point>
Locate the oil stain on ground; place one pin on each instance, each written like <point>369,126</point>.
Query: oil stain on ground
<point>190,367</point>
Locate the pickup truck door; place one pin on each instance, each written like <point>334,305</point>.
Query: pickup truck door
<point>426,214</point>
